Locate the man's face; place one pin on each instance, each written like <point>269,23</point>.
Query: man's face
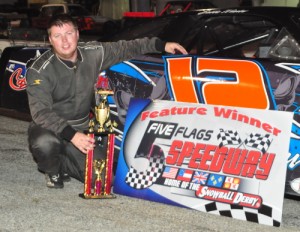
<point>64,41</point>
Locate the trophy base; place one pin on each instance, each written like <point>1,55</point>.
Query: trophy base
<point>101,196</point>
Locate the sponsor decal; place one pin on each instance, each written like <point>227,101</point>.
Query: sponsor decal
<point>17,70</point>
<point>17,79</point>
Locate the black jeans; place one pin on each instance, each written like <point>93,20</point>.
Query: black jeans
<point>54,155</point>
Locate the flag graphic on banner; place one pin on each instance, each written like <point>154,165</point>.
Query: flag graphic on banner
<point>258,141</point>
<point>232,183</point>
<point>170,172</point>
<point>200,177</point>
<point>228,137</point>
<point>215,180</point>
<point>185,175</point>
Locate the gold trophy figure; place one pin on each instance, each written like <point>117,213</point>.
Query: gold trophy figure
<point>99,165</point>
<point>102,112</point>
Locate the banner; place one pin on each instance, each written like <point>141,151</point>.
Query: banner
<point>223,160</point>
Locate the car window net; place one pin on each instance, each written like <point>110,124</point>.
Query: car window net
<point>237,36</point>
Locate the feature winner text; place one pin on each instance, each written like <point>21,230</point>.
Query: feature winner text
<point>220,112</point>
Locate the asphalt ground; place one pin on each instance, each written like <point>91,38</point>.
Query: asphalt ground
<point>26,204</point>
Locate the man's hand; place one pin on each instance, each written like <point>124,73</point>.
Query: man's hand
<point>83,142</point>
<point>172,47</point>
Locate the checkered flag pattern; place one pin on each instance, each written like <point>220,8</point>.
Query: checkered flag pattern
<point>258,141</point>
<point>228,137</point>
<point>264,215</point>
<point>141,180</point>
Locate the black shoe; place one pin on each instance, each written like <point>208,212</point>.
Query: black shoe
<point>54,181</point>
<point>66,177</point>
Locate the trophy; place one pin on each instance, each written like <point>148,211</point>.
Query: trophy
<point>101,170</point>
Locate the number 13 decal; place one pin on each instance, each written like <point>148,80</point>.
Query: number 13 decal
<point>217,81</point>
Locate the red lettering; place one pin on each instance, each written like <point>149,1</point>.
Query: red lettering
<point>234,162</point>
<point>218,159</point>
<point>207,156</point>
<point>174,152</point>
<point>144,115</point>
<point>265,164</point>
<point>251,163</point>
<point>186,152</point>
<point>196,158</point>
<point>230,161</point>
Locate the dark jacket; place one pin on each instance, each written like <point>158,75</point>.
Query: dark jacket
<point>60,95</point>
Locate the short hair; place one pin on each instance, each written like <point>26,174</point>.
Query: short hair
<point>59,20</point>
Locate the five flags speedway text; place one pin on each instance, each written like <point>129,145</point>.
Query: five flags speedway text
<point>204,161</point>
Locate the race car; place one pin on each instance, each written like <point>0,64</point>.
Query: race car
<point>243,57</point>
